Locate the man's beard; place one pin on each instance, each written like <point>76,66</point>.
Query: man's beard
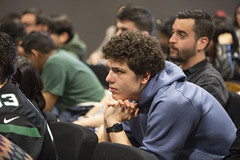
<point>177,58</point>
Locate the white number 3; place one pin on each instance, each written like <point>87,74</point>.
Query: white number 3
<point>9,100</point>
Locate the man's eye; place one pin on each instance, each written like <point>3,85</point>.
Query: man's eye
<point>118,71</point>
<point>182,36</point>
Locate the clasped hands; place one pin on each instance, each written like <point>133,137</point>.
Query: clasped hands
<point>119,111</point>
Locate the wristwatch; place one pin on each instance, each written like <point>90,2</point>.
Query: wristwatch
<point>117,127</point>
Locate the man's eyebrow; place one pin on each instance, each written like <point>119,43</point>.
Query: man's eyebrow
<point>115,67</point>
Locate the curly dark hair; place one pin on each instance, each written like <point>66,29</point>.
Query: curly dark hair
<point>141,52</point>
<point>8,57</point>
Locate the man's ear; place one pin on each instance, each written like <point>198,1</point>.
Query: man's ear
<point>35,53</point>
<point>64,37</point>
<point>202,43</point>
<point>42,27</point>
<point>145,77</point>
<point>146,33</point>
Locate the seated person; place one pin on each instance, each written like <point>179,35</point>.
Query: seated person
<point>68,84</point>
<point>192,31</point>
<point>156,109</point>
<point>20,121</point>
<point>129,17</point>
<point>223,50</point>
<point>30,84</point>
<point>34,19</point>
<point>62,32</point>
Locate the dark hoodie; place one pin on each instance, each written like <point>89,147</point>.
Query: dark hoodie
<point>179,120</point>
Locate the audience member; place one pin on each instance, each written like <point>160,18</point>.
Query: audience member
<point>20,121</point>
<point>223,49</point>
<point>160,111</point>
<point>192,31</point>
<point>68,83</point>
<point>30,84</point>
<point>135,18</point>
<point>34,19</point>
<point>164,29</point>
<point>236,23</point>
<point>10,151</point>
<point>64,37</point>
<point>15,30</point>
<point>128,17</point>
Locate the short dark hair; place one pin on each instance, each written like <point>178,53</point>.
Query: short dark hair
<point>141,17</point>
<point>14,29</point>
<point>41,17</point>
<point>141,52</point>
<point>58,24</point>
<point>40,41</point>
<point>8,57</point>
<point>165,25</point>
<point>203,25</point>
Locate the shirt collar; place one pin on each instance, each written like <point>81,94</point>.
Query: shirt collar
<point>195,67</point>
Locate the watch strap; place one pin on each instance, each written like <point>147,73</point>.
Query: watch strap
<point>117,127</point>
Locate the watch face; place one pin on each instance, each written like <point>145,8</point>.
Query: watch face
<point>118,127</point>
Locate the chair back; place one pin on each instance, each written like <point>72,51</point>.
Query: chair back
<point>116,151</point>
<point>73,142</point>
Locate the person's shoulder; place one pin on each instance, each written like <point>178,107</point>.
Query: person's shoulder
<point>60,57</point>
<point>14,103</point>
<point>206,72</point>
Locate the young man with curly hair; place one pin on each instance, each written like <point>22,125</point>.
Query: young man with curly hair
<point>156,109</point>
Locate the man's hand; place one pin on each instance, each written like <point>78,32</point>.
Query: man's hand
<point>118,111</point>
